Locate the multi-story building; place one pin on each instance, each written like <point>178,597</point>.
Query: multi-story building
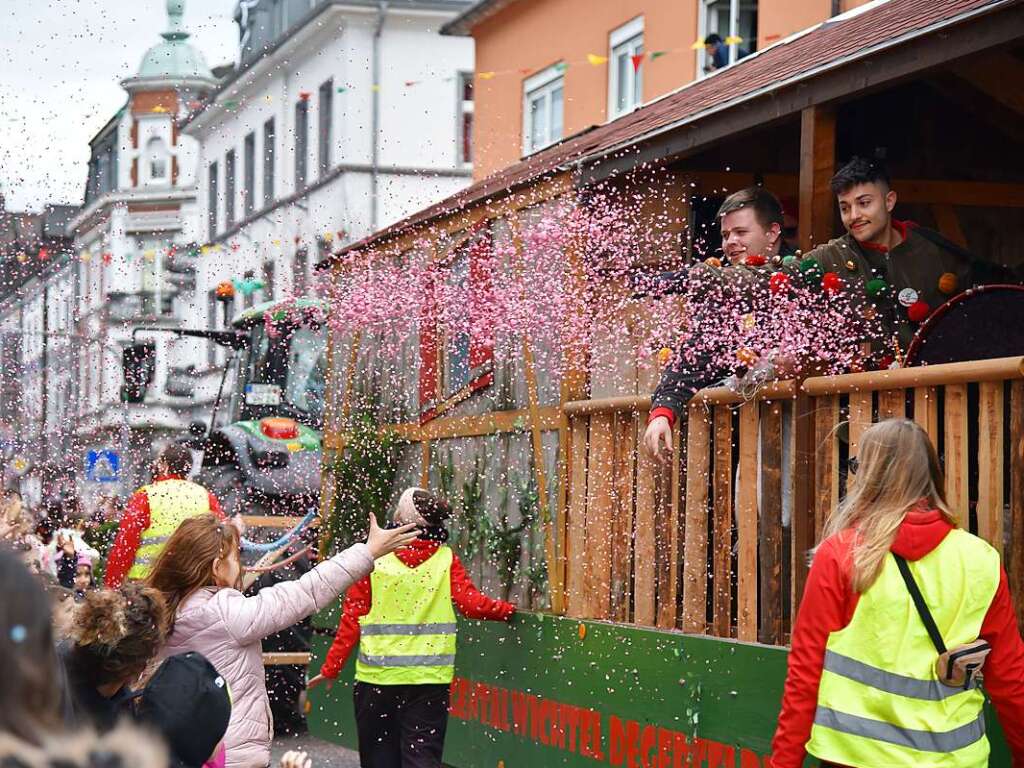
<point>340,117</point>
<point>37,340</point>
<point>548,69</point>
<point>140,212</point>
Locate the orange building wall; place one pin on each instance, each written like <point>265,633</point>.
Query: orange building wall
<point>528,36</point>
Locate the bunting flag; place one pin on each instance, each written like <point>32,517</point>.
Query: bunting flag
<point>733,40</point>
<point>486,75</point>
<point>204,249</point>
<point>560,67</point>
<point>107,257</point>
<point>657,54</point>
<point>43,254</point>
<point>85,256</point>
<point>159,109</point>
<point>637,59</point>
<point>410,83</point>
<point>697,45</point>
<point>596,60</point>
<point>375,88</point>
<point>149,254</point>
<point>304,95</point>
<point>341,89</point>
<point>230,104</point>
<point>268,98</point>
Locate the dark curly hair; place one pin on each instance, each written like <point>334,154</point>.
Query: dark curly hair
<point>118,631</point>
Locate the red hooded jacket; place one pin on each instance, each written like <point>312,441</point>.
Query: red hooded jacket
<point>471,602</point>
<point>828,605</point>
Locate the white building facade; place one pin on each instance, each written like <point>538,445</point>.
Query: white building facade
<point>139,217</point>
<point>342,117</point>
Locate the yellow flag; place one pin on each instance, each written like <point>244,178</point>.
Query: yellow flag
<point>486,75</point>
<point>733,40</point>
<point>697,46</point>
<point>596,60</point>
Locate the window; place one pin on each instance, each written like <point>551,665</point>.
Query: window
<point>301,142</point>
<point>156,161</point>
<point>542,109</point>
<point>249,169</point>
<point>268,162</point>
<point>454,362</point>
<point>325,119</point>
<point>625,84</point>
<point>211,201</point>
<point>465,112</point>
<point>300,271</point>
<point>229,189</point>
<point>716,19</point>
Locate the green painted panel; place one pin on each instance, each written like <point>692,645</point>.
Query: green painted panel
<point>544,692</point>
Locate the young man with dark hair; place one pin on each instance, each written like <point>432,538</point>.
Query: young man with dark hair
<point>751,222</point>
<point>903,271</point>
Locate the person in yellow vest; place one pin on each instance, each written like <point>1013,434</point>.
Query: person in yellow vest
<point>402,617</point>
<point>903,615</point>
<point>153,513</point>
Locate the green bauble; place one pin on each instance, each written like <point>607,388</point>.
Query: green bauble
<point>789,261</point>
<point>876,287</point>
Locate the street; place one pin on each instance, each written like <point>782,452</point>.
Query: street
<point>323,753</point>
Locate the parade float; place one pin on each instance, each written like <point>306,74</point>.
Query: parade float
<point>501,347</point>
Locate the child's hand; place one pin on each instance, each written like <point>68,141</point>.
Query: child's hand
<point>382,542</point>
<point>319,680</point>
<point>295,759</point>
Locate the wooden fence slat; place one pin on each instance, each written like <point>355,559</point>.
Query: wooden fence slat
<point>624,433</point>
<point>892,404</point>
<point>990,462</point>
<point>803,524</point>
<point>826,460</point>
<point>1015,551</point>
<point>955,427</point>
<point>926,411</point>
<point>695,573</point>
<point>575,551</point>
<point>600,511</point>
<point>722,485</point>
<point>772,593</point>
<point>645,560</point>
<point>860,417</point>
<point>677,529</point>
<point>746,523</point>
<point>666,544</point>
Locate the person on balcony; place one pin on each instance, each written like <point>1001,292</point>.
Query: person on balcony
<point>153,513</point>
<point>902,612</point>
<point>752,240</point>
<point>402,617</point>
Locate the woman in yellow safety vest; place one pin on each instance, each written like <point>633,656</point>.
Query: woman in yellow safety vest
<point>894,585</point>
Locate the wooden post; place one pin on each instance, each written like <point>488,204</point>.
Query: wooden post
<point>574,552</point>
<point>597,573</point>
<point>826,461</point>
<point>539,471</point>
<point>722,485</point>
<point>1015,552</point>
<point>646,545</point>
<point>624,436</point>
<point>926,411</point>
<point>990,463</point>
<point>817,166</point>
<point>803,524</point>
<point>695,552</point>
<point>957,493</point>
<point>771,524</point>
<point>746,523</point>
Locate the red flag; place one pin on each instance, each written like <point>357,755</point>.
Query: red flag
<point>637,59</point>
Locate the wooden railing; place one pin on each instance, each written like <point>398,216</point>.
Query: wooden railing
<point>698,543</point>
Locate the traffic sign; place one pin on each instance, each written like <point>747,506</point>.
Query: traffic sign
<point>103,466</point>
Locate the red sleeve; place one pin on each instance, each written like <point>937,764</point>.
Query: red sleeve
<point>471,602</point>
<point>827,607</point>
<point>1004,668</point>
<point>129,535</point>
<point>662,411</point>
<point>215,506</point>
<point>357,604</point>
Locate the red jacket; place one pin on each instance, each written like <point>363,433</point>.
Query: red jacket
<point>828,605</point>
<point>134,522</point>
<point>471,602</point>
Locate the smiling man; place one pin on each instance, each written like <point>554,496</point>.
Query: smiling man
<point>903,271</point>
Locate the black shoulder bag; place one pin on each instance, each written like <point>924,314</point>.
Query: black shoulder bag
<point>959,667</point>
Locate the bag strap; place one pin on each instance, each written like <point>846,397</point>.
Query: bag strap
<point>920,604</point>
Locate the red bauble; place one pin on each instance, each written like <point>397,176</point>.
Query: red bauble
<point>755,260</point>
<point>918,311</point>
<point>831,282</point>
<point>778,282</point>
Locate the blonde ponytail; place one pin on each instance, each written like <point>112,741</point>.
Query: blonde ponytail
<point>898,467</point>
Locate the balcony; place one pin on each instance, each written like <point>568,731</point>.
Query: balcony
<point>140,305</point>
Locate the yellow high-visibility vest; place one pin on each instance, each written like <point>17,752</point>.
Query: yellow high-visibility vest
<point>879,700</point>
<point>171,502</point>
<point>408,637</point>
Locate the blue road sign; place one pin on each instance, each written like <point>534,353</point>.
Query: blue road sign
<point>103,466</point>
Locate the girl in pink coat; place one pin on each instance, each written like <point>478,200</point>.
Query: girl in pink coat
<point>200,575</point>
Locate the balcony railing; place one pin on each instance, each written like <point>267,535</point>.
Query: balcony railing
<point>699,543</point>
<point>140,305</point>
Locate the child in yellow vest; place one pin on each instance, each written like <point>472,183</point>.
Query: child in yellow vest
<point>402,617</point>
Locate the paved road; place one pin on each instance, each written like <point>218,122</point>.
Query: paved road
<point>324,754</point>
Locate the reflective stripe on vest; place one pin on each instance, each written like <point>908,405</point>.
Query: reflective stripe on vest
<point>409,635</point>
<point>170,503</point>
<point>879,701</point>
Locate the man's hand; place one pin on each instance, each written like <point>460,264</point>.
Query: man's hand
<point>318,680</point>
<point>658,439</point>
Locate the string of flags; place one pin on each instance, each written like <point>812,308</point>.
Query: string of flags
<point>593,59</point>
